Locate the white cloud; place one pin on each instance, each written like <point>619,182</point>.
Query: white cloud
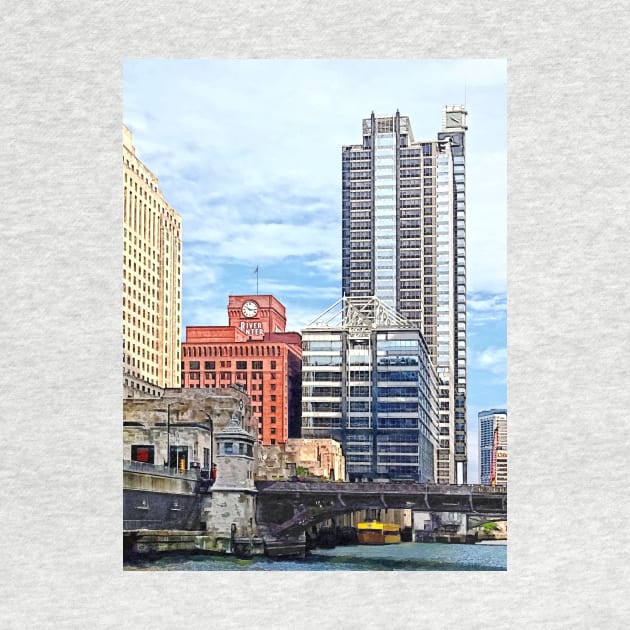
<point>491,359</point>
<point>483,309</point>
<point>329,267</point>
<point>249,153</point>
<point>483,303</point>
<point>197,272</point>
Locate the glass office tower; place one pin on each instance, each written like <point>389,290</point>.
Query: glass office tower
<point>368,382</point>
<point>492,446</point>
<point>404,241</point>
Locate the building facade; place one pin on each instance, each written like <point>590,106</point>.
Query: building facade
<point>177,431</point>
<point>253,353</point>
<point>404,241</point>
<point>368,382</point>
<point>492,446</point>
<point>152,280</point>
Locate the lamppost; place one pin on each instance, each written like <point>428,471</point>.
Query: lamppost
<point>211,423</point>
<point>168,435</point>
<point>168,431</point>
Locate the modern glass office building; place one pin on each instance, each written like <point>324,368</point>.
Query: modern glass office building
<point>368,382</point>
<point>492,446</point>
<point>404,241</point>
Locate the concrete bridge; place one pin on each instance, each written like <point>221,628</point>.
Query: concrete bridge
<point>286,509</point>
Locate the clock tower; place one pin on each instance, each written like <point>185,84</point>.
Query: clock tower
<point>256,315</point>
<point>454,118</point>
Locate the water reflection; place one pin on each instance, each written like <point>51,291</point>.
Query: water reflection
<point>403,557</point>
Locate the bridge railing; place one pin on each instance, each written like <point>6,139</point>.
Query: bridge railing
<point>368,486</point>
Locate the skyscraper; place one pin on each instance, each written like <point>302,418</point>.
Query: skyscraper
<point>152,280</point>
<point>368,382</point>
<point>492,446</point>
<point>404,241</point>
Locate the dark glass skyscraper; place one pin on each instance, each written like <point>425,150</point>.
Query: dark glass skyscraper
<point>404,242</point>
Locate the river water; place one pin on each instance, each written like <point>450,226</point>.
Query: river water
<point>403,557</point>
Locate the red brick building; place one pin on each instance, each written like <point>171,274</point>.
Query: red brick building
<point>254,352</point>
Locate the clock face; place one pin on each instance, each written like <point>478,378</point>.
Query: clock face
<point>250,308</point>
<point>453,119</point>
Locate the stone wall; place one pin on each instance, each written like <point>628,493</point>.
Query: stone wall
<point>224,513</point>
<point>191,405</point>
<point>160,511</point>
<point>318,456</point>
<point>321,457</point>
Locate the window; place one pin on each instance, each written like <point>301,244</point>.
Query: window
<point>228,448</point>
<point>241,365</point>
<point>273,430</point>
<point>143,453</point>
<point>209,365</point>
<point>194,365</point>
<point>273,365</point>
<point>178,457</point>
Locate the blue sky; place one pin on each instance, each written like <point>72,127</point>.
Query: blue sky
<point>249,153</point>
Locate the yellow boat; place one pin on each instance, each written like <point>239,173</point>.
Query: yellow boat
<point>376,533</point>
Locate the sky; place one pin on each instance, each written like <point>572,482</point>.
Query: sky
<point>248,152</point>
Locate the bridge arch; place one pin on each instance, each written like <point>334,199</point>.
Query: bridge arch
<point>289,509</point>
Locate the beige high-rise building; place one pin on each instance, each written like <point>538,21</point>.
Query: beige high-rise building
<point>152,280</point>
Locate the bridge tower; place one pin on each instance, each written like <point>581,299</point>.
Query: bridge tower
<point>229,510</point>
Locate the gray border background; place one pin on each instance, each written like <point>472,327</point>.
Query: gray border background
<point>60,334</point>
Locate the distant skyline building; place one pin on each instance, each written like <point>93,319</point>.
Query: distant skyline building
<point>404,241</point>
<point>255,353</point>
<point>368,382</point>
<point>492,446</point>
<point>152,280</point>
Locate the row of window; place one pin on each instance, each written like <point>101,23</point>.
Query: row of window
<point>240,365</point>
<point>244,349</point>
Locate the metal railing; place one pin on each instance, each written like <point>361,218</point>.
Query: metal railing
<point>159,470</point>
